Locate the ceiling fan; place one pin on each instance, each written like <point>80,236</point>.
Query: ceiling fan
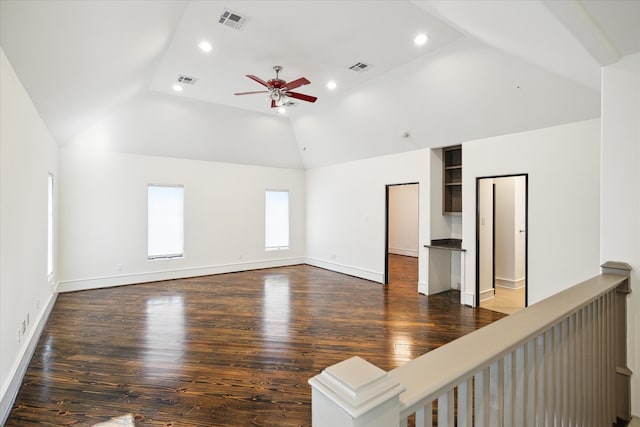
<point>279,90</point>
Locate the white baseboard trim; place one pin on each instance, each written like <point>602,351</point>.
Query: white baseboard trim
<point>423,288</point>
<point>510,283</point>
<point>22,362</point>
<point>130,279</point>
<point>469,299</point>
<point>405,252</point>
<point>435,291</point>
<point>345,269</point>
<point>487,295</point>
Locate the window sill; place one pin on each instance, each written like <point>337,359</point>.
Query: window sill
<point>283,248</point>
<point>159,258</point>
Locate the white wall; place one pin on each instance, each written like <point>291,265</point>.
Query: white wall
<point>505,243</point>
<point>442,104</point>
<point>166,125</point>
<point>403,219</point>
<point>486,273</point>
<point>27,155</point>
<point>563,167</point>
<point>620,226</point>
<point>103,207</point>
<point>346,212</point>
<point>510,241</point>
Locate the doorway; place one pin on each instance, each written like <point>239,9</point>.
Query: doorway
<point>502,243</point>
<point>401,232</point>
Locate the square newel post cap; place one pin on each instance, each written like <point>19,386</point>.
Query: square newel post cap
<point>356,386</point>
<point>619,269</point>
<point>616,267</point>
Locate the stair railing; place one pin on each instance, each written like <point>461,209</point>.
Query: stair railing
<point>559,362</point>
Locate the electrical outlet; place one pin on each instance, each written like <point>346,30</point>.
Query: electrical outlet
<point>120,267</point>
<point>19,335</point>
<point>27,319</point>
<point>333,256</point>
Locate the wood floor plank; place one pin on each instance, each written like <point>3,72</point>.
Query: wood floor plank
<point>226,350</point>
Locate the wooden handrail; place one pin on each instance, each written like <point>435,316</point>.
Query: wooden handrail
<point>429,376</point>
<point>561,361</point>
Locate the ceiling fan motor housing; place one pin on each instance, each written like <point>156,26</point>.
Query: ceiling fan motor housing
<point>277,83</point>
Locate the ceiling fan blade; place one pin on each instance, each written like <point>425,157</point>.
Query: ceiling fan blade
<point>302,96</point>
<point>297,83</point>
<point>273,103</point>
<point>258,79</point>
<point>249,93</point>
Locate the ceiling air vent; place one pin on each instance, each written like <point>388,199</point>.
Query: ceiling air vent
<point>359,66</point>
<point>232,19</point>
<point>187,80</point>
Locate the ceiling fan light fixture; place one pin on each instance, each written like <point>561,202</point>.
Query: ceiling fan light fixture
<point>283,100</point>
<point>282,110</point>
<point>177,88</point>
<point>331,85</point>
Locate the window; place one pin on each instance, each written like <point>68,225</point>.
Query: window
<point>276,220</point>
<point>50,226</point>
<point>165,234</point>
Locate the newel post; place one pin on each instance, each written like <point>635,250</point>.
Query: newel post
<point>355,393</point>
<point>623,373</point>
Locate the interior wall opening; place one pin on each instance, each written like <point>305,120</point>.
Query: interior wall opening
<point>502,227</point>
<point>402,232</point>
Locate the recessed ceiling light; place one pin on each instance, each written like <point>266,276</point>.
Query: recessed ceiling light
<point>282,110</point>
<point>332,85</point>
<point>205,46</point>
<point>177,88</point>
<point>420,39</point>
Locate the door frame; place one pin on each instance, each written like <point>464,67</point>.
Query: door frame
<point>526,235</point>
<point>386,225</point>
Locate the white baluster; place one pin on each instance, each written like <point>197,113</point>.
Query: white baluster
<point>509,391</point>
<point>424,416</point>
<point>446,410</point>
<point>465,404</point>
<point>496,380</point>
<point>482,398</point>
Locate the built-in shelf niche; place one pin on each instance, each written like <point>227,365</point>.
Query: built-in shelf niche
<point>452,180</point>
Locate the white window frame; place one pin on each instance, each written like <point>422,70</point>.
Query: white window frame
<point>267,218</point>
<point>156,256</point>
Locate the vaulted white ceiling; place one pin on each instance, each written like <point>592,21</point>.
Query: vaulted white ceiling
<point>101,72</point>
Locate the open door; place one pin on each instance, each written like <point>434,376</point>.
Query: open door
<point>501,230</point>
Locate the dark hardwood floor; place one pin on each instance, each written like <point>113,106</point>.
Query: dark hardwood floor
<point>226,350</point>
